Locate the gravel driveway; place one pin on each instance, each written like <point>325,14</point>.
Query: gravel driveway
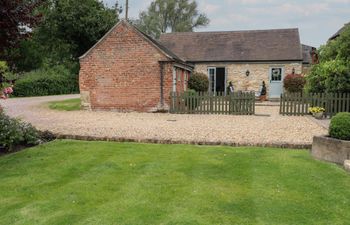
<point>266,128</point>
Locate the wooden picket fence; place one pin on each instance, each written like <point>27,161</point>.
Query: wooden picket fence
<point>298,104</point>
<point>207,103</point>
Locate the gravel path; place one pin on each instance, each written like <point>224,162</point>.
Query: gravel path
<point>267,127</point>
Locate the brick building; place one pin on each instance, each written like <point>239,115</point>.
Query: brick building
<point>129,71</point>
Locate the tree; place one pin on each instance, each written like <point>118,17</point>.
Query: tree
<point>68,29</point>
<point>171,15</point>
<point>73,26</point>
<point>17,19</point>
<point>332,74</point>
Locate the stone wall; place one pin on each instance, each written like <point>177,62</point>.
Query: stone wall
<point>330,149</point>
<point>258,72</point>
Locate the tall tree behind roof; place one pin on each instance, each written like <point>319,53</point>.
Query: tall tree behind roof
<point>171,16</point>
<point>75,23</point>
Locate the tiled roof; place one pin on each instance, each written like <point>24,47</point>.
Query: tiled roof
<point>244,46</point>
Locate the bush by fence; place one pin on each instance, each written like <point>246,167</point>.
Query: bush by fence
<point>198,82</point>
<point>47,81</point>
<point>294,82</point>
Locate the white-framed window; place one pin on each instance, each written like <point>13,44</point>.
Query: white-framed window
<point>276,74</point>
<point>185,80</point>
<point>178,72</point>
<point>174,79</point>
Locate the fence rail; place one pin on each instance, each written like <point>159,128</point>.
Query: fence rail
<point>208,103</point>
<point>298,104</point>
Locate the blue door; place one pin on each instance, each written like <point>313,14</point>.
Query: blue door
<point>276,82</point>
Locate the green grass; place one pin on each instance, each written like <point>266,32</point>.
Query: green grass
<point>72,182</point>
<point>66,105</point>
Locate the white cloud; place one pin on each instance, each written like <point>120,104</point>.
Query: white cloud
<point>317,19</point>
<point>209,8</point>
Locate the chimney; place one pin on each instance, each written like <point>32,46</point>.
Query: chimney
<point>314,56</point>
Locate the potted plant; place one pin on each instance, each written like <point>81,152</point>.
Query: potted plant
<point>317,112</point>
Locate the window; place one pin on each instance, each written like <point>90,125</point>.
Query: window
<point>276,74</point>
<point>178,72</point>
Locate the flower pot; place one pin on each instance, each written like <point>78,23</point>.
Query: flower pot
<point>318,115</point>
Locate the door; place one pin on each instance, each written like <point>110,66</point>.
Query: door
<point>220,79</point>
<point>174,79</point>
<point>217,79</point>
<point>276,82</point>
<point>212,79</point>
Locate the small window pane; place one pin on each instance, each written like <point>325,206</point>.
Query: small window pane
<point>276,74</point>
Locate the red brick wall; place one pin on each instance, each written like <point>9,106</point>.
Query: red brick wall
<point>181,84</point>
<point>123,73</point>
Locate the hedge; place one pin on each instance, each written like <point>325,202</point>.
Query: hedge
<point>47,81</point>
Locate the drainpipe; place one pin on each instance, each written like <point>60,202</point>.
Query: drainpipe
<point>162,84</point>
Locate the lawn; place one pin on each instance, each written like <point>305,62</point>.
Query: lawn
<point>72,182</point>
<point>66,105</point>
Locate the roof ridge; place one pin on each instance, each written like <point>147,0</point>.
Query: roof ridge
<point>233,31</point>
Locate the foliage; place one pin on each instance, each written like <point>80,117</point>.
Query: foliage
<point>294,82</point>
<point>66,105</point>
<point>338,48</point>
<point>329,76</point>
<point>78,182</point>
<point>316,110</point>
<point>67,30</point>
<point>198,82</point>
<point>3,67</point>
<point>14,132</point>
<point>17,18</point>
<point>340,126</point>
<point>47,81</point>
<point>3,78</point>
<point>73,26</point>
<point>338,79</point>
<point>333,72</point>
<point>28,55</point>
<point>171,15</point>
<point>316,79</point>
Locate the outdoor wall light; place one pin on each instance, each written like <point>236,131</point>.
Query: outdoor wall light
<point>247,73</point>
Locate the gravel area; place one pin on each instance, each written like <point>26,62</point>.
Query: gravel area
<point>267,127</point>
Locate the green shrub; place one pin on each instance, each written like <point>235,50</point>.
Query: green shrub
<point>198,82</point>
<point>47,81</point>
<point>13,132</point>
<point>294,83</point>
<point>339,77</point>
<point>329,76</point>
<point>340,126</point>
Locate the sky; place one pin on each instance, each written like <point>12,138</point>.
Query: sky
<point>317,20</point>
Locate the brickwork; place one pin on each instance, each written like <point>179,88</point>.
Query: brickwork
<point>123,73</point>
